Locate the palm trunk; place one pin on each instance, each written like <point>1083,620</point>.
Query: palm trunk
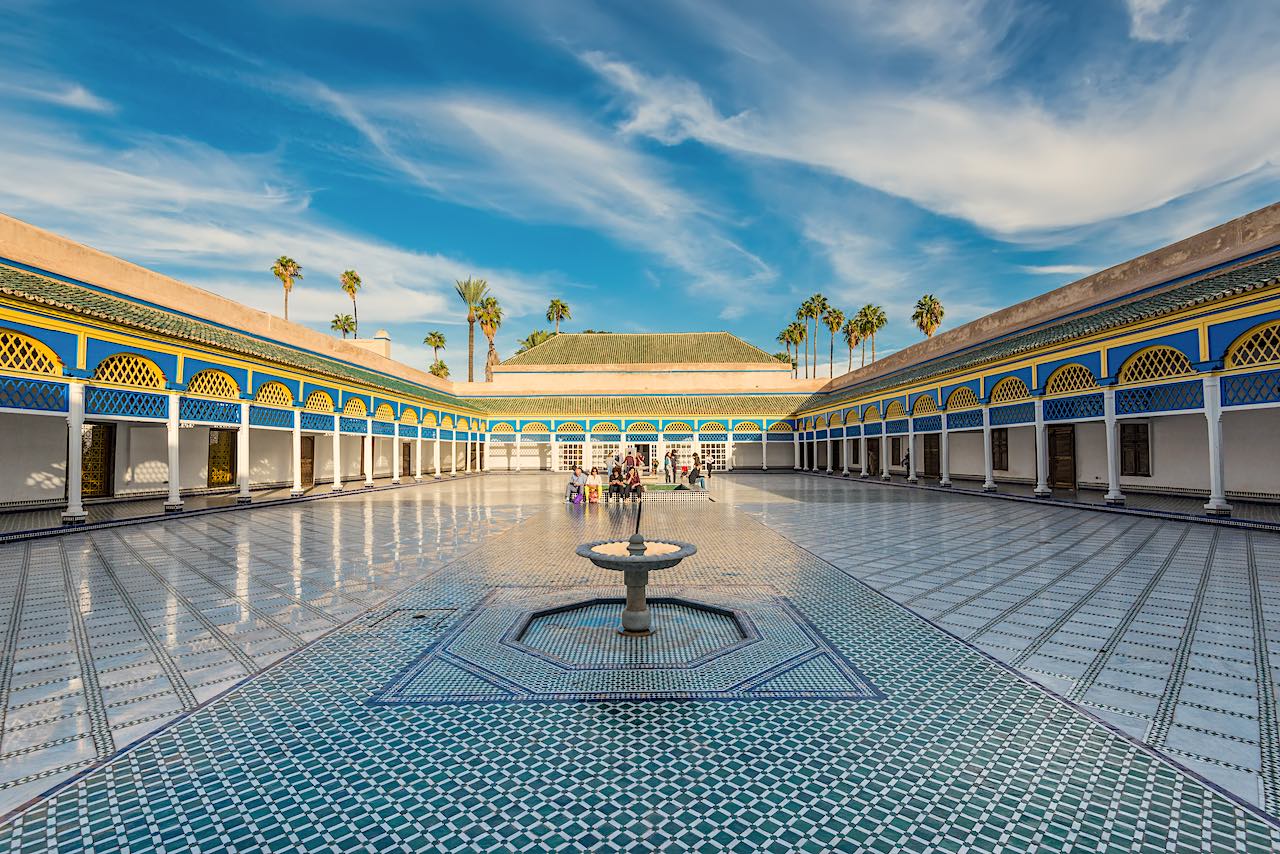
<point>873,346</point>
<point>851,357</point>
<point>355,319</point>
<point>286,303</point>
<point>831,355</point>
<point>864,353</point>
<point>471,346</point>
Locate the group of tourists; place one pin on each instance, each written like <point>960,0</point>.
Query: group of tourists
<point>697,473</point>
<point>623,480</point>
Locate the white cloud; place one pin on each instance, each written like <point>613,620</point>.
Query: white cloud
<point>1059,269</point>
<point>1163,21</point>
<point>1002,158</point>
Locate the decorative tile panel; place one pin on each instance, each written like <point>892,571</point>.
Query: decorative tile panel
<point>1070,408</point>
<point>17,393</point>
<point>124,402</point>
<point>317,421</point>
<point>383,428</point>
<point>896,426</point>
<point>352,425</point>
<point>1017,413</point>
<point>928,424</point>
<point>270,416</point>
<point>968,419</point>
<point>1257,387</point>
<point>210,411</point>
<point>1160,398</point>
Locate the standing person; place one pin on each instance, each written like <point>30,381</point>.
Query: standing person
<point>668,466</point>
<point>630,462</point>
<point>617,457</point>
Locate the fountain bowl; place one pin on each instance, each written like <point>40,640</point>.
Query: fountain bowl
<point>636,553</point>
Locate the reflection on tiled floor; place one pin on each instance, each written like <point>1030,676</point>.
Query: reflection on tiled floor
<point>958,755</point>
<point>1168,630</point>
<point>114,632</point>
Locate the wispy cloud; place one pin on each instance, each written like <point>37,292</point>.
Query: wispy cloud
<point>1158,20</point>
<point>71,95</point>
<point>1058,269</point>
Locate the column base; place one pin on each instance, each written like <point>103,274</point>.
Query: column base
<point>944,484</point>
<point>863,476</point>
<point>368,484</point>
<point>396,481</point>
<point>74,518</point>
<point>989,487</point>
<point>886,478</point>
<point>764,468</point>
<point>913,479</point>
<point>1042,492</point>
<point>1114,500</point>
<point>244,499</point>
<point>336,488</point>
<point>296,493</point>
<point>844,473</point>
<point>417,478</point>
<point>830,471</point>
<point>173,507</point>
<point>1217,508</point>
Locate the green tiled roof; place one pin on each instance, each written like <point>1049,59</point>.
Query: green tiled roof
<point>779,405</point>
<point>614,348</point>
<point>86,302</point>
<point>1219,286</point>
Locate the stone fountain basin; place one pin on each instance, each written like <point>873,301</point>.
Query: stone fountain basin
<point>615,554</point>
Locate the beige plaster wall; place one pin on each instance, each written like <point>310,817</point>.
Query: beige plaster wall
<point>624,379</point>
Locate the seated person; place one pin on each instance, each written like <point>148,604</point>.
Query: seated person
<point>593,485</point>
<point>577,482</point>
<point>617,483</point>
<point>634,486</point>
<point>695,476</point>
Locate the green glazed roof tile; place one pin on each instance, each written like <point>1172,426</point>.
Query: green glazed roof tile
<point>41,290</point>
<point>613,348</point>
<point>775,405</point>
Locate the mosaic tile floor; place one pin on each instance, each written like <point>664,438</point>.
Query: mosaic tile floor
<point>958,753</point>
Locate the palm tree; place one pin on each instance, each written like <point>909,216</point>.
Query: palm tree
<point>833,319</point>
<point>784,338</point>
<point>343,323</point>
<point>287,271</point>
<point>435,340</point>
<point>350,281</point>
<point>440,369</point>
<point>472,292</point>
<point>928,314</point>
<point>873,320</point>
<point>812,309</point>
<point>802,316</point>
<point>557,312</point>
<point>799,335</point>
<point>489,313</point>
<point>852,337</point>
<point>533,339</point>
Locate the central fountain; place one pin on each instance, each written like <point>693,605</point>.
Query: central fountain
<point>635,558</point>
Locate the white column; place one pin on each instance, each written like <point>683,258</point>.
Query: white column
<point>911,451</point>
<point>728,452</point>
<point>453,454</point>
<point>1042,452</point>
<point>795,447</point>
<point>844,454</point>
<point>862,454</point>
<point>466,451</point>
<point>813,452</point>
<point>417,457</point>
<point>484,453</point>
<point>831,443</point>
<point>764,448</point>
<point>1114,496</point>
<point>395,453</point>
<point>367,441</point>
<point>945,453</point>
<point>74,514</point>
<point>519,463</point>
<point>885,445</point>
<point>1217,504</point>
<point>337,454</point>
<point>662,450</point>
<point>174,502</point>
<point>296,467</point>
<point>555,453</point>
<point>242,454</point>
<point>989,478</point>
<point>435,455</point>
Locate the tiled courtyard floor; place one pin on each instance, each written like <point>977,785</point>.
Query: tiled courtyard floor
<point>1163,627</point>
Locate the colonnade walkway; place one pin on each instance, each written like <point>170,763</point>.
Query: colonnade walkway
<point>338,674</point>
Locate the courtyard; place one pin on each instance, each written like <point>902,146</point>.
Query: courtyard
<point>908,670</point>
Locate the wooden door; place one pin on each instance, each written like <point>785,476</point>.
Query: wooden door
<point>222,458</point>
<point>931,460</point>
<point>308,461</point>
<point>406,458</point>
<point>97,460</point>
<point>1062,457</point>
<point>873,457</point>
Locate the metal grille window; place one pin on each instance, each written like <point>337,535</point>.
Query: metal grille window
<point>128,369</point>
<point>1009,390</point>
<point>1135,450</point>
<point>962,398</point>
<point>894,410</point>
<point>924,405</point>
<point>22,353</point>
<point>409,416</point>
<point>1069,379</point>
<point>274,394</point>
<point>570,455</point>
<point>355,407</point>
<point>1260,347</point>
<point>318,401</point>
<point>1000,449</point>
<point>1155,363</point>
<point>385,412</point>
<point>213,384</point>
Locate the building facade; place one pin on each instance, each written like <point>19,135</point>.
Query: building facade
<point>1161,374</point>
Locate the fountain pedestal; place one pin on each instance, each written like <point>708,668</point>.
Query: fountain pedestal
<point>635,559</point>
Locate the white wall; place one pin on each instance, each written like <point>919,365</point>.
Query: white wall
<point>142,458</point>
<point>34,468</point>
<point>1251,450</point>
<point>270,452</point>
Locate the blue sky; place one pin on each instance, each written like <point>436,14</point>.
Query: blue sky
<point>660,166</point>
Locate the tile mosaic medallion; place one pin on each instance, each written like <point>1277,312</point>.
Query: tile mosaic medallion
<point>789,707</point>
